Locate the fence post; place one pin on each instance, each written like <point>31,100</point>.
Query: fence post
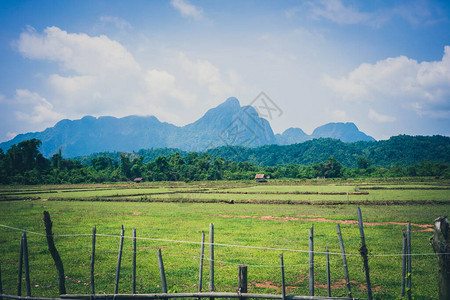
<point>54,252</point>
<point>328,274</point>
<point>344,262</point>
<point>26,264</point>
<point>202,253</point>
<point>161,272</point>
<point>211,258</point>
<point>242,278</point>
<point>311,261</point>
<point>19,282</point>
<point>441,245</point>
<point>94,231</point>
<point>403,266</point>
<point>119,260</point>
<point>1,286</point>
<point>283,284</point>
<point>363,251</point>
<point>134,261</point>
<point>408,245</point>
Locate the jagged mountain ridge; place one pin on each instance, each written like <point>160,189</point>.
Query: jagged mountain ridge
<point>228,124</point>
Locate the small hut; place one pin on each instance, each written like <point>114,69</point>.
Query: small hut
<point>139,179</point>
<point>260,178</point>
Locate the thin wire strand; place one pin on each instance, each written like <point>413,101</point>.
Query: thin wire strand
<point>223,245</point>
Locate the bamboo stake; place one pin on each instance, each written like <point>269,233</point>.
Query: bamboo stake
<point>202,253</point>
<point>328,274</point>
<point>311,261</point>
<point>408,238</point>
<point>26,264</point>
<point>363,251</point>
<point>94,231</point>
<point>19,282</point>
<point>161,272</point>
<point>119,260</point>
<point>1,286</point>
<point>283,284</point>
<point>134,261</point>
<point>344,262</point>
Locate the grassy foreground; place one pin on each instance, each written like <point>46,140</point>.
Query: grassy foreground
<point>262,225</point>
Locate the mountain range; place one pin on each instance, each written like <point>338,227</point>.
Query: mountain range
<point>228,124</point>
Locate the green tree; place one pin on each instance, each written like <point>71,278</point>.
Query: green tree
<point>332,168</point>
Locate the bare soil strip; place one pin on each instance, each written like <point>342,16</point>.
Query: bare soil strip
<point>321,219</point>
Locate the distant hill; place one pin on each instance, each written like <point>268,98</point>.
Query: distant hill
<point>346,132</point>
<point>400,150</point>
<point>228,124</point>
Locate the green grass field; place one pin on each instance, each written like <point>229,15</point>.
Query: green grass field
<point>236,225</point>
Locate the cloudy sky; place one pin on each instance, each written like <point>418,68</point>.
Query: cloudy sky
<point>384,65</point>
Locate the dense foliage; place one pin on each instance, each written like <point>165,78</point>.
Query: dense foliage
<point>400,150</point>
<point>24,164</point>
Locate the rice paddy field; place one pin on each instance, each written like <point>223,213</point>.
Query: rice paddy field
<point>254,224</point>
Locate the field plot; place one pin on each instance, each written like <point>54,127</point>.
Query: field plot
<point>248,234</point>
<point>277,192</point>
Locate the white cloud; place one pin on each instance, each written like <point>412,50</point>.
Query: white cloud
<point>42,110</point>
<point>337,12</point>
<point>339,115</point>
<point>186,9</point>
<point>11,135</point>
<point>161,83</point>
<point>77,51</point>
<point>99,76</point>
<point>374,116</point>
<point>119,23</point>
<point>414,12</point>
<point>206,74</point>
<point>423,87</point>
<point>72,84</point>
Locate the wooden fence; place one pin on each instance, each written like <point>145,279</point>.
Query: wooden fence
<point>440,243</point>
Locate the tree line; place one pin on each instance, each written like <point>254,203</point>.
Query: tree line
<point>402,150</point>
<point>24,164</point>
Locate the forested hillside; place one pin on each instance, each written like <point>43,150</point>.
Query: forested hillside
<point>400,150</point>
<point>399,156</point>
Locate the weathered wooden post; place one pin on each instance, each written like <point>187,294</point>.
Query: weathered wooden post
<point>283,284</point>
<point>211,258</point>
<point>19,282</point>
<point>242,279</point>
<point>54,252</point>
<point>162,272</point>
<point>134,262</point>
<point>328,273</point>
<point>26,264</point>
<point>202,253</point>
<point>311,261</point>
<point>441,245</point>
<point>408,267</point>
<point>119,260</point>
<point>364,252</point>
<point>344,262</point>
<point>94,231</point>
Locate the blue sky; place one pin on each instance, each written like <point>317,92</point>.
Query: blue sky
<point>384,65</point>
